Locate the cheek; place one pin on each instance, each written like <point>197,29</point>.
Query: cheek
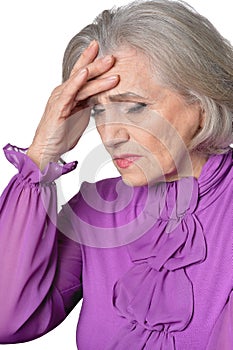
<point>157,134</point>
<point>187,123</point>
<point>178,132</point>
<point>164,148</point>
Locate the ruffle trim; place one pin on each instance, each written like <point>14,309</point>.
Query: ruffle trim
<point>156,296</point>
<point>29,170</point>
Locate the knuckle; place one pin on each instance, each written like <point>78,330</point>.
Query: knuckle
<point>56,91</point>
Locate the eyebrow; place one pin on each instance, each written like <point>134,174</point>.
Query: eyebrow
<point>125,96</point>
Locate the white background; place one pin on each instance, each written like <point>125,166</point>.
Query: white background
<point>33,36</point>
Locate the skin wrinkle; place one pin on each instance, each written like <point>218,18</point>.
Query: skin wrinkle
<point>159,133</point>
<point>120,97</point>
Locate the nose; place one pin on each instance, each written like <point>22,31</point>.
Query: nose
<point>113,134</point>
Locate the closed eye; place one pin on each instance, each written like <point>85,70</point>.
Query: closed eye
<point>138,107</point>
<point>97,110</point>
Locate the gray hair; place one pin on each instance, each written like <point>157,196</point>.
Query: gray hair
<point>187,52</point>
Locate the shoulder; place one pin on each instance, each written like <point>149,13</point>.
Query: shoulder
<point>105,189</point>
<point>107,198</point>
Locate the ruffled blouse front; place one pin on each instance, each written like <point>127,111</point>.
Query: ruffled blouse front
<point>153,263</point>
<point>156,296</point>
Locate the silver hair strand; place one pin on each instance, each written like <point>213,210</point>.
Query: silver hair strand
<point>186,51</point>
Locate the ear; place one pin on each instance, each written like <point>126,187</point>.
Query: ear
<point>202,117</point>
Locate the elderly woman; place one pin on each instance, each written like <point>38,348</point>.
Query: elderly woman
<point>150,252</point>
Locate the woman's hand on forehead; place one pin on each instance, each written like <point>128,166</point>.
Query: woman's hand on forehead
<point>67,114</point>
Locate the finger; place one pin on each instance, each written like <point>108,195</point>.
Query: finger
<point>63,99</point>
<point>95,69</point>
<point>97,86</point>
<point>80,106</point>
<point>88,56</point>
<point>100,66</point>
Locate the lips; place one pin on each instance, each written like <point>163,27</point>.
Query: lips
<point>123,161</point>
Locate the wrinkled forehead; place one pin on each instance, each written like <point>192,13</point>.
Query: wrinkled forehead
<point>137,82</point>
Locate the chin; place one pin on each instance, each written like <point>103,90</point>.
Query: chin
<point>134,181</point>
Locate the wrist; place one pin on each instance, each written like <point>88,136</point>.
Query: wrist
<point>40,158</point>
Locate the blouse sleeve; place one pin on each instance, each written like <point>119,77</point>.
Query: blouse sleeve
<point>40,268</point>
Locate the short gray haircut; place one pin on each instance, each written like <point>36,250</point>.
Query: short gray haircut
<point>187,52</point>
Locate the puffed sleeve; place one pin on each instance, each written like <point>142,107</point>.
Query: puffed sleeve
<point>40,268</point>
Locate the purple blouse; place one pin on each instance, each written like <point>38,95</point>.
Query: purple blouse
<point>154,265</point>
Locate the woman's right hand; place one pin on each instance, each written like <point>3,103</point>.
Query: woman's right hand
<point>66,114</point>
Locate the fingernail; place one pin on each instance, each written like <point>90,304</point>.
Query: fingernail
<point>113,77</point>
<point>83,71</point>
<point>108,59</point>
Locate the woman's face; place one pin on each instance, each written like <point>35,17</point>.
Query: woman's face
<point>146,127</point>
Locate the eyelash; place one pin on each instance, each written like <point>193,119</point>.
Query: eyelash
<point>136,109</point>
<point>96,111</point>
